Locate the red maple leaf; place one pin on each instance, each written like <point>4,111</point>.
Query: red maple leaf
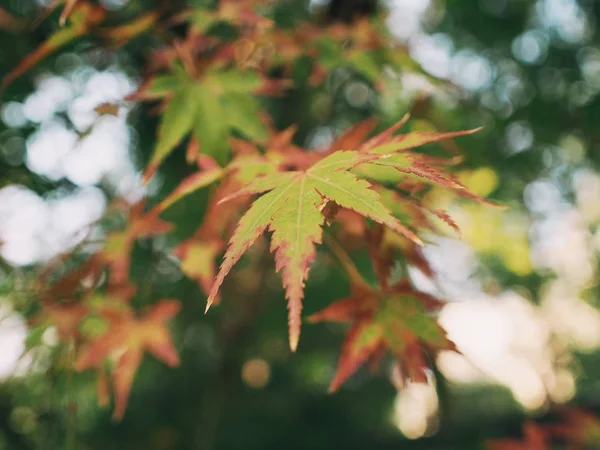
<point>397,319</point>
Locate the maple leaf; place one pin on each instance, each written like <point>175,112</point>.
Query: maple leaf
<point>397,318</point>
<point>291,210</point>
<point>294,204</point>
<point>125,342</point>
<point>211,106</point>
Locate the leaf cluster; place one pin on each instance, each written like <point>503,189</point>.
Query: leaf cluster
<point>362,190</point>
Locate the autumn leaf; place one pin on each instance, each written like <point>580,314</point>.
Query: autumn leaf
<point>397,319</point>
<point>291,210</point>
<point>126,341</point>
<point>293,204</point>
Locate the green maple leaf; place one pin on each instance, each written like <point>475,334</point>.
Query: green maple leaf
<point>292,210</point>
<point>210,108</point>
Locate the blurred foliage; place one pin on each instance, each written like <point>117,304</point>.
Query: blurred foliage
<point>237,385</point>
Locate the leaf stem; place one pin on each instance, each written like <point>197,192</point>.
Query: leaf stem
<point>345,260</point>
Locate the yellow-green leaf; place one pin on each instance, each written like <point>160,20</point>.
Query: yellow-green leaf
<point>210,124</point>
<point>243,114</point>
<point>177,122</point>
<point>291,209</point>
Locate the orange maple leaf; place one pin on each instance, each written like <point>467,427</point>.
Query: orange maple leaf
<point>125,342</point>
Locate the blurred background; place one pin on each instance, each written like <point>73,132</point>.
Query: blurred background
<point>521,283</point>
